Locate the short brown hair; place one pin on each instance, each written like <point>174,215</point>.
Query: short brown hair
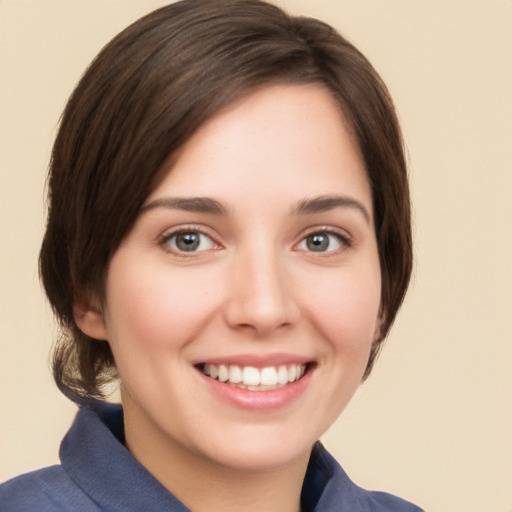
<point>144,95</point>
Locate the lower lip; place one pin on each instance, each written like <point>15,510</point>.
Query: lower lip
<point>258,400</point>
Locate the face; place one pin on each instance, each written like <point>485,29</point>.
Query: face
<point>242,306</point>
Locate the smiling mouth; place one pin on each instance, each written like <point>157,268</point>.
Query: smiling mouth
<point>255,379</point>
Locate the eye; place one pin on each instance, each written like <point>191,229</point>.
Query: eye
<point>324,242</point>
<point>188,241</point>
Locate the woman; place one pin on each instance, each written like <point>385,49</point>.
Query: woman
<point>229,236</point>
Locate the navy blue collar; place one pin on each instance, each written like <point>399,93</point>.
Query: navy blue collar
<point>95,458</point>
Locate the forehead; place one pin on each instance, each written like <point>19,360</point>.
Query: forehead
<point>280,141</point>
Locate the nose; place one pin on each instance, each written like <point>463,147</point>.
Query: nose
<point>261,298</point>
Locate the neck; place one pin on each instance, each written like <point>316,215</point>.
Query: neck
<point>221,489</point>
<point>204,485</point>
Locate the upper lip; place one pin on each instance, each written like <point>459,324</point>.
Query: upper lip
<point>257,360</point>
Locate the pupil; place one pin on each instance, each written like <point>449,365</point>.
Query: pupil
<point>318,242</point>
<point>187,241</point>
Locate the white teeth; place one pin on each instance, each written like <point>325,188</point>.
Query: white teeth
<point>235,374</point>
<point>214,372</point>
<point>222,371</point>
<point>252,378</point>
<point>268,376</point>
<point>282,375</point>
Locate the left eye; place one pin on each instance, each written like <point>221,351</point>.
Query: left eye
<point>322,242</point>
<point>189,241</point>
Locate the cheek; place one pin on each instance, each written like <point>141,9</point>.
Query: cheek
<point>345,307</point>
<point>156,309</point>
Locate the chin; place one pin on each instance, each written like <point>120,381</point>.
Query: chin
<point>260,451</point>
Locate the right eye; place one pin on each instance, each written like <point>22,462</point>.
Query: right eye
<point>188,241</point>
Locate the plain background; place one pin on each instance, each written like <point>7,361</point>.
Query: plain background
<point>434,422</point>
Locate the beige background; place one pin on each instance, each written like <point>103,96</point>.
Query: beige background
<point>434,423</point>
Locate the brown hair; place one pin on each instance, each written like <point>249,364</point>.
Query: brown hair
<point>144,95</point>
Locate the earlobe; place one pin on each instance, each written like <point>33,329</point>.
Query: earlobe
<point>89,319</point>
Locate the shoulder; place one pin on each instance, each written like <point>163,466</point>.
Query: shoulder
<point>328,487</point>
<point>45,490</point>
<point>384,502</point>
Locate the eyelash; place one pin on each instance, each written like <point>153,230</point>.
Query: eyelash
<point>167,237</point>
<point>345,241</point>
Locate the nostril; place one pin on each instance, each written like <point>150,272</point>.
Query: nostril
<point>261,299</point>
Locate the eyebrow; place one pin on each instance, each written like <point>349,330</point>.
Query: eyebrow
<point>208,205</point>
<point>325,203</point>
<point>189,204</point>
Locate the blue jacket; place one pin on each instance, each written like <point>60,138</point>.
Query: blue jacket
<point>97,473</point>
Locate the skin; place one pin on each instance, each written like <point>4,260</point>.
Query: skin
<point>255,288</point>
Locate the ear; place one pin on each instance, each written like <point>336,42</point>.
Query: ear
<point>89,318</point>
